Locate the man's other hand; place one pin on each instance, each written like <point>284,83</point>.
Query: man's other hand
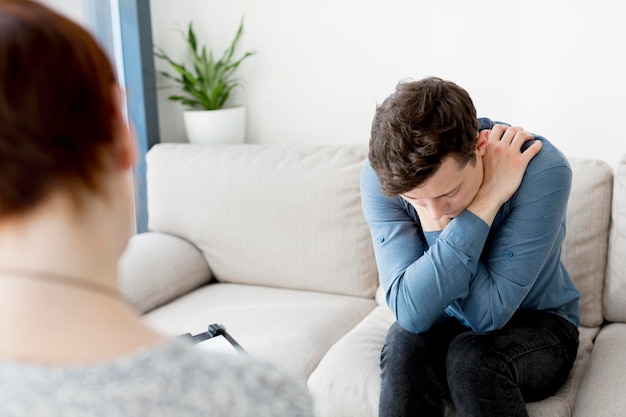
<point>504,165</point>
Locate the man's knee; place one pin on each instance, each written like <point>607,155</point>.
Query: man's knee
<point>401,347</point>
<point>472,360</point>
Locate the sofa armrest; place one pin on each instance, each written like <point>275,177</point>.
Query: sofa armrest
<point>157,268</point>
<point>602,391</point>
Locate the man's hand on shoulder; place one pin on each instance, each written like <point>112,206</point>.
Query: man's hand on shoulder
<point>504,165</point>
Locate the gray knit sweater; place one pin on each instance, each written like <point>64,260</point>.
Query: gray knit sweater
<point>172,379</point>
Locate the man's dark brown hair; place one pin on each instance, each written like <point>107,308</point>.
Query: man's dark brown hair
<point>416,128</point>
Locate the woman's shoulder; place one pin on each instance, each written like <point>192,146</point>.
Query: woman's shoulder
<point>236,384</point>
<point>173,378</point>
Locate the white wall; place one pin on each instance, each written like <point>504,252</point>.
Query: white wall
<point>554,67</point>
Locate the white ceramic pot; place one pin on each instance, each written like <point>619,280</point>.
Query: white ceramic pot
<point>224,126</point>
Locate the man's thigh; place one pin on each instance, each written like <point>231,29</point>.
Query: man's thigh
<point>413,378</point>
<point>430,347</point>
<point>534,352</point>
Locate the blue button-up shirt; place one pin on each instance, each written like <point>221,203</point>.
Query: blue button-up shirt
<point>479,274</point>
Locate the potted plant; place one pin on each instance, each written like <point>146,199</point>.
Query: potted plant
<point>204,91</point>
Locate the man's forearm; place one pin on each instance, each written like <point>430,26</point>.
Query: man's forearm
<point>438,277</point>
<point>485,207</point>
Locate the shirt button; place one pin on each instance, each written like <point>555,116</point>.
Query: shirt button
<point>380,239</point>
<point>508,254</point>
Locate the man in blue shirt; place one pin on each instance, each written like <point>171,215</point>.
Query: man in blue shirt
<point>467,218</point>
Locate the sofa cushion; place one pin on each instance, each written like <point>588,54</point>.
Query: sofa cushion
<point>358,355</point>
<point>586,239</point>
<point>615,284</point>
<point>602,390</point>
<point>157,268</point>
<point>281,216</point>
<point>289,327</point>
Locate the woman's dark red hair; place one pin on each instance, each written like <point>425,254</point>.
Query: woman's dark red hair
<point>57,107</point>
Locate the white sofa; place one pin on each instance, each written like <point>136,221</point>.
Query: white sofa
<point>271,242</point>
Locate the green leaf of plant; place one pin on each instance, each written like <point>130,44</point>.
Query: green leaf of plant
<point>209,82</point>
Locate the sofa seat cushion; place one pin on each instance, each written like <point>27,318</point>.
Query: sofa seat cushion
<point>290,327</point>
<point>355,390</point>
<point>602,391</point>
<point>358,355</point>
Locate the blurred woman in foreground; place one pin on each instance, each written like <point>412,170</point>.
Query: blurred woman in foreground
<point>69,345</point>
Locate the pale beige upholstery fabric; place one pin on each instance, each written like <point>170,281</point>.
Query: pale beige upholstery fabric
<point>586,239</point>
<point>603,391</point>
<point>281,229</point>
<point>337,394</point>
<point>281,216</point>
<point>615,284</point>
<point>290,327</point>
<point>355,390</point>
<point>157,268</point>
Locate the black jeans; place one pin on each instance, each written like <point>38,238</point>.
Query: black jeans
<point>484,374</point>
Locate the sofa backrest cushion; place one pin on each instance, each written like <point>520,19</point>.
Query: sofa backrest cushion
<point>586,239</point>
<point>281,216</point>
<point>615,284</point>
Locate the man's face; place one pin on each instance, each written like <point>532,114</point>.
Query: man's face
<point>450,190</point>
